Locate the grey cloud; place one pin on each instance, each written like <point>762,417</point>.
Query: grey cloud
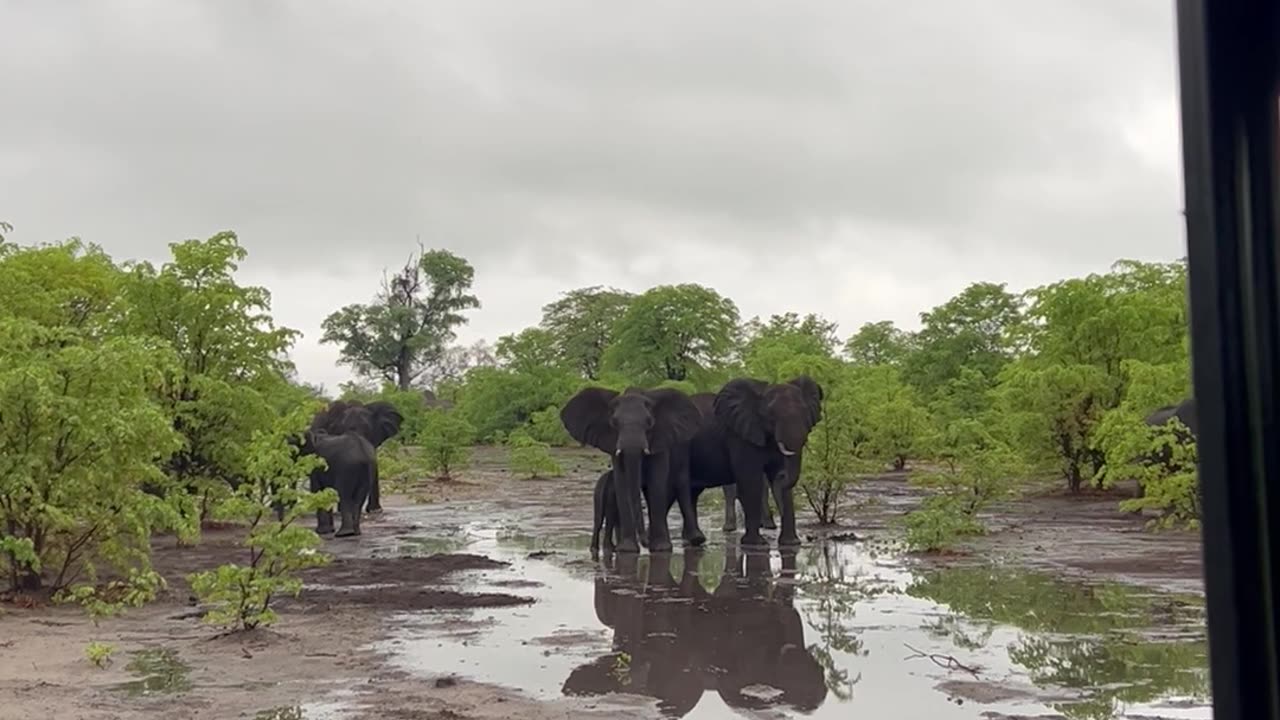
<point>913,147</point>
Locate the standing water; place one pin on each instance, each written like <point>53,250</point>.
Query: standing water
<point>823,632</point>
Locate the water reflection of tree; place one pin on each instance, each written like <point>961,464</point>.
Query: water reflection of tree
<point>1083,637</point>
<point>961,632</point>
<point>832,594</point>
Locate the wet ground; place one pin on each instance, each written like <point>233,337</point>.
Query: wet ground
<point>484,603</point>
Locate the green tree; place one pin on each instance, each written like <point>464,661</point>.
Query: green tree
<point>788,345</point>
<point>878,343</point>
<point>674,332</point>
<point>445,440</point>
<point>499,400</point>
<point>975,330</point>
<point>1051,411</point>
<point>79,432</point>
<point>832,458</point>
<point>408,326</point>
<point>546,426</point>
<point>898,426</point>
<point>530,458</point>
<point>276,549</point>
<point>529,351</point>
<point>582,323</point>
<point>984,470</point>
<point>232,359</point>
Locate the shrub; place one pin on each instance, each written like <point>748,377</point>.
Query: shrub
<point>982,472</point>
<point>545,426</point>
<point>277,549</point>
<point>445,440</point>
<point>530,458</point>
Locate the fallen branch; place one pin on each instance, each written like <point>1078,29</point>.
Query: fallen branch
<point>943,661</point>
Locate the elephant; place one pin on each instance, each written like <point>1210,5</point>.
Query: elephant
<point>377,422</point>
<point>756,442</point>
<point>706,405</point>
<point>352,465</point>
<point>745,633</point>
<point>605,514</point>
<point>647,433</point>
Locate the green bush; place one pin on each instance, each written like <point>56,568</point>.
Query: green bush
<point>983,472</point>
<point>546,426</point>
<point>530,458</point>
<point>445,440</point>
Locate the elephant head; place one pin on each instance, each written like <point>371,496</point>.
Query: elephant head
<point>646,422</point>
<point>384,421</point>
<point>376,422</point>
<point>778,415</point>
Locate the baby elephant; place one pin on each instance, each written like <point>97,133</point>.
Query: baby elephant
<point>605,514</point>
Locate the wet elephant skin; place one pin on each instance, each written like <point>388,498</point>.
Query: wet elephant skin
<point>673,640</point>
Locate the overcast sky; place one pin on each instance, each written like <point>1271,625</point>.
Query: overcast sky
<point>864,160</point>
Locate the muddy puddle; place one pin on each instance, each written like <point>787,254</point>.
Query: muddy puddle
<point>821,632</point>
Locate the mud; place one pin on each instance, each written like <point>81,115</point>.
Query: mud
<point>483,602</point>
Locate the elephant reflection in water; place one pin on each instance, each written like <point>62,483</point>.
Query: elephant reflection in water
<point>674,640</point>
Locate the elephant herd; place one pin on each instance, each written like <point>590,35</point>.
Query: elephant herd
<point>673,641</point>
<point>668,447</point>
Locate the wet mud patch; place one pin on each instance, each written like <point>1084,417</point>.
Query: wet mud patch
<point>420,599</point>
<point>396,571</point>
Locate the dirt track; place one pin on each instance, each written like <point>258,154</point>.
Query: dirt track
<point>396,625</point>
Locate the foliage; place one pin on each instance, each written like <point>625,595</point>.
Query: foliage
<point>499,400</point>
<point>528,351</point>
<point>984,470</point>
<point>277,548</point>
<point>135,590</point>
<point>1051,411</point>
<point>673,332</point>
<point>79,433</point>
<point>445,442</point>
<point>530,458</point>
<point>1163,466</point>
<point>972,330</point>
<point>831,459</point>
<point>231,363</point>
<point>406,329</point>
<point>897,425</point>
<point>581,324</point>
<point>99,653</point>
<point>878,343</point>
<point>545,426</point>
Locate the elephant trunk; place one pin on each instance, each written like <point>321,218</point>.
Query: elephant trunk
<point>628,478</point>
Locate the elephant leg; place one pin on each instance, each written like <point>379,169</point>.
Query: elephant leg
<point>747,473</point>
<point>767,511</point>
<point>657,475</point>
<point>787,508</point>
<point>324,522</point>
<point>689,532</point>
<point>730,508</point>
<point>375,491</point>
<point>597,515</point>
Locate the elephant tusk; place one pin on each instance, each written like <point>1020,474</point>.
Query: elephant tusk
<point>783,449</point>
<point>618,452</point>
<point>647,451</point>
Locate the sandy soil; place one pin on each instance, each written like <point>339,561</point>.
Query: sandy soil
<point>314,653</point>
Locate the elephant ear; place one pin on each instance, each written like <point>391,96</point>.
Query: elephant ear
<point>812,396</point>
<point>706,404</point>
<point>738,405</point>
<point>357,420</point>
<point>386,421</point>
<point>675,418</point>
<point>586,418</point>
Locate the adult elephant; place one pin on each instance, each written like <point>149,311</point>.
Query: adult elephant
<point>647,432</point>
<point>705,403</point>
<point>377,422</point>
<point>681,641</point>
<point>352,466</point>
<point>756,441</point>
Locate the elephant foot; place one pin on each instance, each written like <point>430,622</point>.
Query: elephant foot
<point>346,532</point>
<point>730,527</point>
<point>644,542</point>
<point>753,540</point>
<point>373,510</point>
<point>324,530</point>
<point>661,546</point>
<point>628,546</point>
<point>696,539</point>
<point>769,524</point>
<point>792,540</point>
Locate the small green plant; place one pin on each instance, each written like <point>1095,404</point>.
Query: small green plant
<point>99,653</point>
<point>831,460</point>
<point>546,426</point>
<point>980,470</point>
<point>277,549</point>
<point>445,440</point>
<point>140,587</point>
<point>621,670</point>
<point>530,458</point>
